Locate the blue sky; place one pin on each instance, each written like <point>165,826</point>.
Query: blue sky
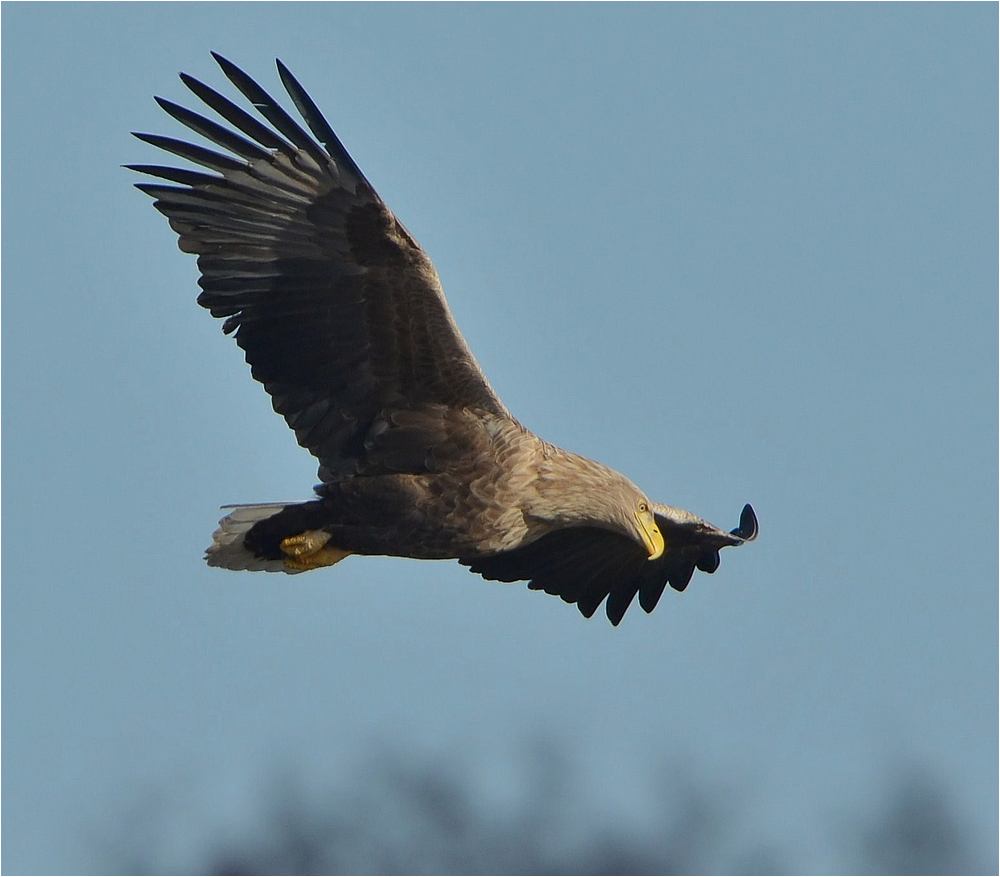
<point>739,252</point>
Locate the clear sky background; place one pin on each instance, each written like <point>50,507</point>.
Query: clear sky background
<point>739,252</point>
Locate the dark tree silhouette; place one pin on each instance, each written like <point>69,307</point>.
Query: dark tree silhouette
<point>400,817</point>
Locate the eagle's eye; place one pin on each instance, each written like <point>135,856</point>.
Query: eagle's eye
<point>643,508</point>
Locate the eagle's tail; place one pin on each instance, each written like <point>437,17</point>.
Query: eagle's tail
<point>228,549</point>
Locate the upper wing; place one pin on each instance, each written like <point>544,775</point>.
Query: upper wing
<point>340,312</point>
<point>583,565</point>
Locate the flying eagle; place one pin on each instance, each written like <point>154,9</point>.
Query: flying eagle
<point>342,318</point>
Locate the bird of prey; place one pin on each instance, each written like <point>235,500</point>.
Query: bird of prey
<point>343,320</point>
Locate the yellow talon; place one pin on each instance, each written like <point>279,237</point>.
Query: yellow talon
<point>305,543</point>
<point>309,550</point>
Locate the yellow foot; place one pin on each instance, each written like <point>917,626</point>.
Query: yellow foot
<point>309,550</point>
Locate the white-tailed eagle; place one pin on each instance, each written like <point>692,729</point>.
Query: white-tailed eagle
<point>343,320</point>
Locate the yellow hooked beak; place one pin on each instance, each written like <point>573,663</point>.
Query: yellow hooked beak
<point>651,535</point>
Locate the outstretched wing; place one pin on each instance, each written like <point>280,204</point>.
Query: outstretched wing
<point>340,312</point>
<point>585,565</point>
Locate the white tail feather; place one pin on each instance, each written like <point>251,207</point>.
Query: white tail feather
<point>227,550</point>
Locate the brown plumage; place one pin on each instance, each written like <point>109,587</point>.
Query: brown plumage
<point>343,320</point>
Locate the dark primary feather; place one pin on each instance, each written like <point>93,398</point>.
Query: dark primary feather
<point>271,110</point>
<point>198,154</point>
<point>339,311</point>
<point>214,131</point>
<point>585,565</point>
<point>235,116</point>
<point>316,122</point>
